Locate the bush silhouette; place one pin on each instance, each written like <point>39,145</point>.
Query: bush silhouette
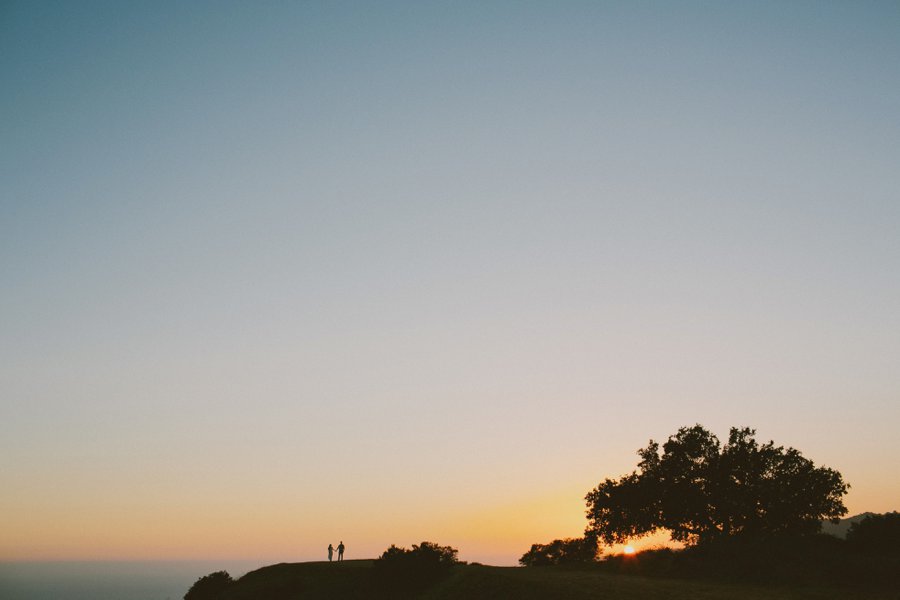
<point>561,552</point>
<point>876,534</point>
<point>210,587</point>
<point>407,569</point>
<point>701,491</point>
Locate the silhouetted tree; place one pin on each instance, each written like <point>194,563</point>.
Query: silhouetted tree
<point>405,569</point>
<point>424,553</point>
<point>700,491</point>
<point>210,587</point>
<point>876,534</point>
<point>568,551</point>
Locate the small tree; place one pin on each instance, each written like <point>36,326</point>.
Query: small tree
<point>404,569</point>
<point>568,551</point>
<point>701,491</point>
<point>876,534</point>
<point>210,587</point>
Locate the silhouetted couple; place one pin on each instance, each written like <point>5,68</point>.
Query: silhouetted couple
<point>340,550</point>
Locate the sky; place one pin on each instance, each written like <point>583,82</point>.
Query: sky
<point>276,275</point>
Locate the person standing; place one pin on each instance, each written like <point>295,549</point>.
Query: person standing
<point>330,552</point>
<point>341,551</point>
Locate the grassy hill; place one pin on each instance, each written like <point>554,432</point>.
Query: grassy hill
<point>354,579</point>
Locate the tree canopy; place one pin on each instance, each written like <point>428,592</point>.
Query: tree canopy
<point>700,490</point>
<point>210,587</point>
<point>582,550</point>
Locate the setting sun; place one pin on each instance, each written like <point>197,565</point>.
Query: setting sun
<point>628,550</point>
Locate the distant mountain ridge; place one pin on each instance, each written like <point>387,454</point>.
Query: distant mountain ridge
<point>841,528</point>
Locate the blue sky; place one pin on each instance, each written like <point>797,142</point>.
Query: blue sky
<point>460,259</point>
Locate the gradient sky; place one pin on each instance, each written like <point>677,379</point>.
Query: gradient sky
<point>280,274</point>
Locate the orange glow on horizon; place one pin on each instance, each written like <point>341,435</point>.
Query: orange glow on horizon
<point>658,539</point>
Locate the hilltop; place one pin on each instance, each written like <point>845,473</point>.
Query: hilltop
<point>353,579</point>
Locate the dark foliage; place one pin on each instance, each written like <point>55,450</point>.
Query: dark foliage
<point>876,534</point>
<point>777,560</point>
<point>406,570</point>
<point>210,587</point>
<point>568,551</point>
<point>701,491</point>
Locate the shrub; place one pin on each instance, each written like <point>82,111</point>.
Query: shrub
<point>210,587</point>
<point>405,569</point>
<point>876,534</point>
<point>561,552</point>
